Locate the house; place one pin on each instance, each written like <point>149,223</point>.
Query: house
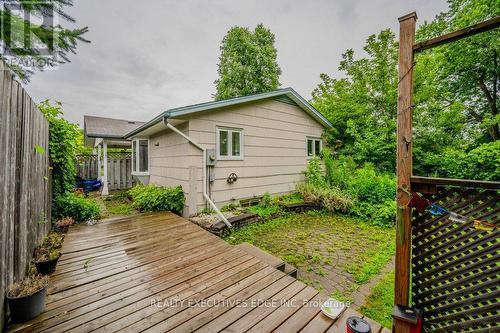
<point>230,150</point>
<point>102,133</point>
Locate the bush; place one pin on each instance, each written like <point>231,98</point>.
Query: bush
<point>79,208</point>
<point>266,200</point>
<point>363,192</point>
<point>481,163</point>
<point>331,198</point>
<point>63,142</point>
<point>313,173</point>
<point>151,198</point>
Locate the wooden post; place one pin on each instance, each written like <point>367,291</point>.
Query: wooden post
<point>404,165</point>
<point>99,161</point>
<point>105,190</point>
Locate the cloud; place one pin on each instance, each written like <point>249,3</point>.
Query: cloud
<point>148,56</point>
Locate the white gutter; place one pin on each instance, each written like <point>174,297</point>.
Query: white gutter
<point>204,180</point>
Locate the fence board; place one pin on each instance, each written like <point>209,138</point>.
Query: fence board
<point>119,169</point>
<point>24,181</point>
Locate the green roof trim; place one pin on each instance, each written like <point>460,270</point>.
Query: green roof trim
<point>192,109</point>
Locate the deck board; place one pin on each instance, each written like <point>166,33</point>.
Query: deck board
<point>117,276</point>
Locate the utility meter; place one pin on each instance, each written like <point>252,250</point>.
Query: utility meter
<point>211,157</point>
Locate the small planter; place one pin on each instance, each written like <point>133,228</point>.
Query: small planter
<point>47,267</point>
<point>27,307</point>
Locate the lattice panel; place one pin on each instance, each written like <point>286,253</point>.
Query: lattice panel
<point>455,267</point>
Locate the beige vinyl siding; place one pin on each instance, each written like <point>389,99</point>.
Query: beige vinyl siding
<point>173,160</point>
<point>274,148</point>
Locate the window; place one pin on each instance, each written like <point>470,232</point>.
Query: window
<point>229,144</point>
<point>140,156</point>
<point>314,146</point>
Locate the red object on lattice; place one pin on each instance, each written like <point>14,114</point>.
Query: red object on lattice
<point>419,202</point>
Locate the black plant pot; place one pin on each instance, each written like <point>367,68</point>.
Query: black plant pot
<point>46,267</point>
<point>28,307</point>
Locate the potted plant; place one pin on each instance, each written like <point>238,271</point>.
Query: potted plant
<point>26,298</point>
<point>63,224</point>
<point>46,259</point>
<point>53,240</point>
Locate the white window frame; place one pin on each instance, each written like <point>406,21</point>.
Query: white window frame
<point>315,153</point>
<point>230,130</point>
<point>135,145</point>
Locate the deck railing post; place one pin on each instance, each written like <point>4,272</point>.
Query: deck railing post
<point>404,165</point>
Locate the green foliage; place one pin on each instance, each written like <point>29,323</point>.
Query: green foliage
<point>265,211</point>
<point>331,198</point>
<point>118,203</point>
<point>289,198</point>
<point>456,97</point>
<point>362,105</point>
<point>379,303</point>
<point>364,192</point>
<point>313,172</point>
<point>468,70</point>
<point>230,207</point>
<point>247,64</point>
<point>375,193</point>
<point>266,200</point>
<point>78,207</point>
<point>151,198</point>
<point>63,140</point>
<point>314,240</point>
<point>481,163</point>
<point>57,39</point>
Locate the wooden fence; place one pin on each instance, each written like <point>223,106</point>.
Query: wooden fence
<point>119,169</point>
<point>25,194</point>
<point>86,166</point>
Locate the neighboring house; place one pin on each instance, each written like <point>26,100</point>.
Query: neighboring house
<point>103,133</point>
<point>231,150</point>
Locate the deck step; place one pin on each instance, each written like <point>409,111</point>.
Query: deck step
<point>264,256</point>
<point>290,270</point>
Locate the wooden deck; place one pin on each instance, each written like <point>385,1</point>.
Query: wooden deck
<point>159,272</point>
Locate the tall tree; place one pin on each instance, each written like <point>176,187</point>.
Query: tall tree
<point>455,98</point>
<point>362,104</point>
<point>248,63</point>
<point>28,45</point>
<point>468,70</point>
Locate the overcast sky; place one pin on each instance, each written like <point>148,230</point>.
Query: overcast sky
<point>151,55</point>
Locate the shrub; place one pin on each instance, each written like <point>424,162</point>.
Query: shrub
<point>331,198</point>
<point>230,207</point>
<point>78,207</point>
<point>481,163</point>
<point>363,192</point>
<point>266,200</point>
<point>63,142</point>
<point>151,198</point>
<point>313,173</point>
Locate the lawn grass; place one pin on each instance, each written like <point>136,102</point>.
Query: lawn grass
<point>379,304</point>
<point>118,203</point>
<point>325,247</point>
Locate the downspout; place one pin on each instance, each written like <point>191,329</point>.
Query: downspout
<point>204,180</point>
